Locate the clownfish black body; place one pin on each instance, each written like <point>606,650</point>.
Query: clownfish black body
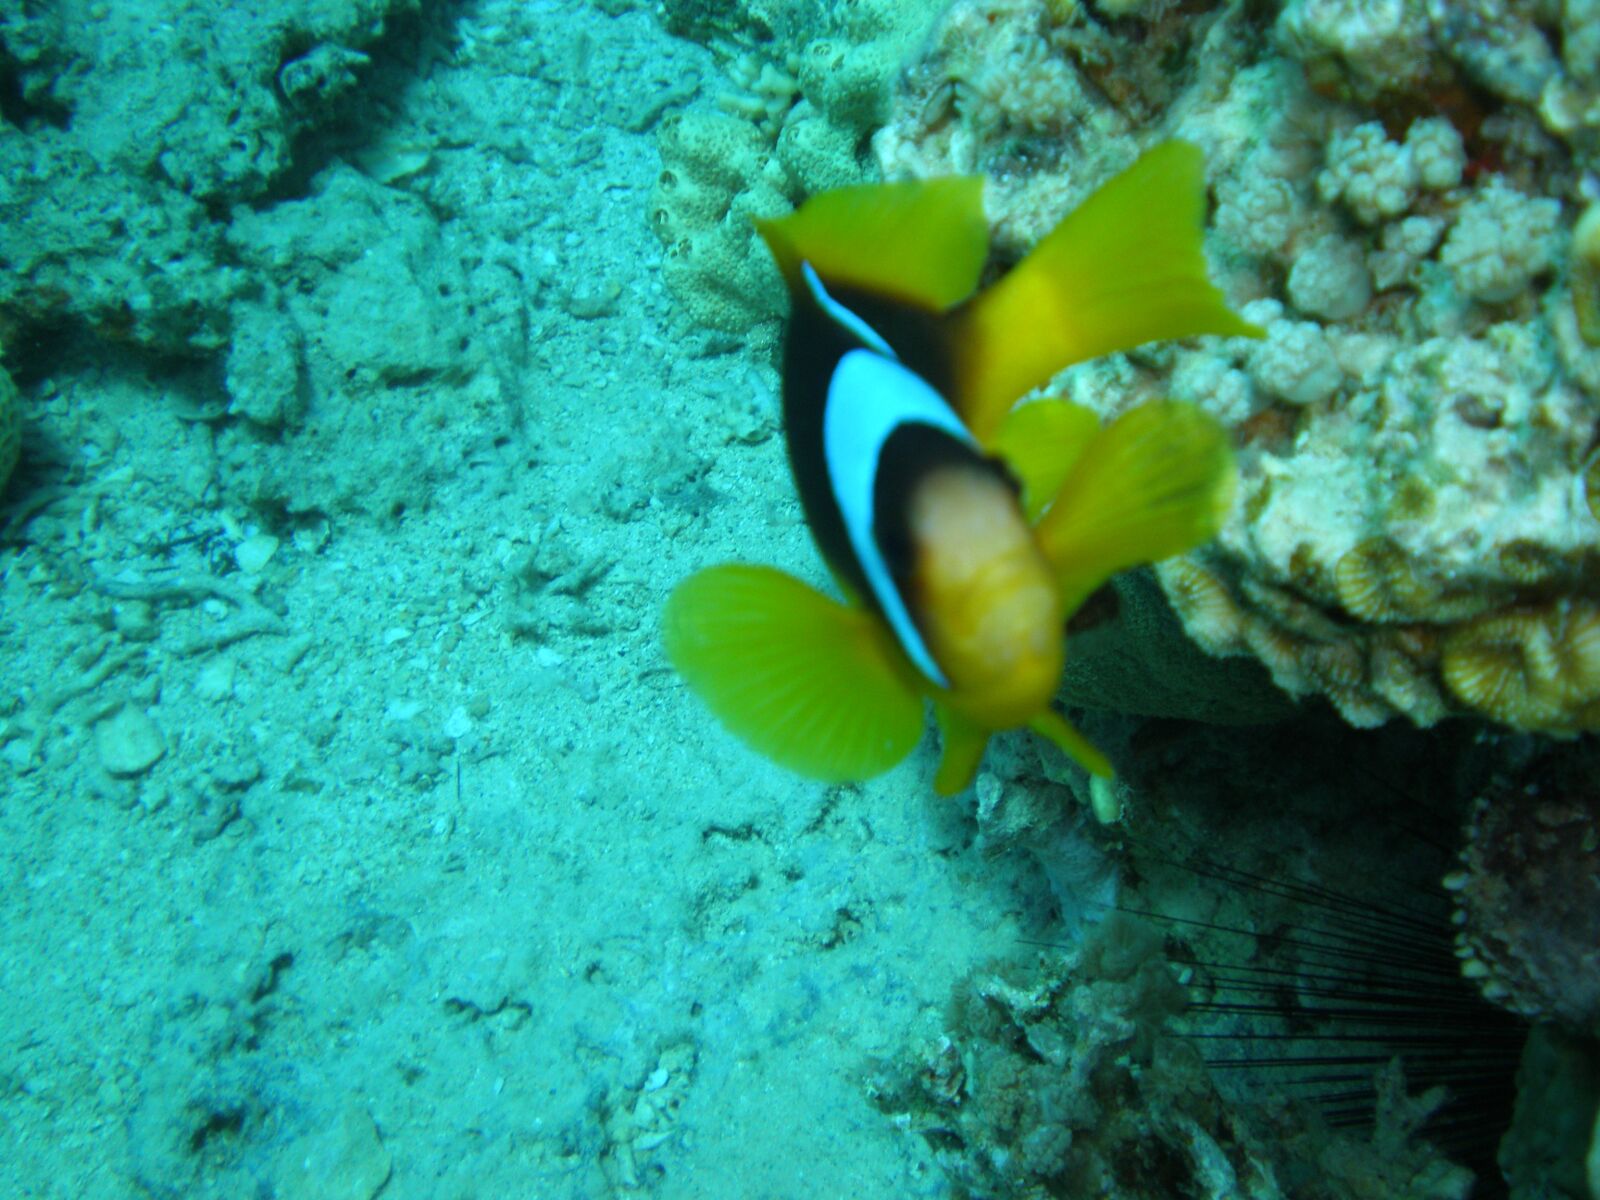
<point>963,530</point>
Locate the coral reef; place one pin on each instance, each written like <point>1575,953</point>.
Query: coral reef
<point>1396,193</point>
<point>176,194</point>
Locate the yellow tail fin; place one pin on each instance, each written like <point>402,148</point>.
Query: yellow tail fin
<point>1125,267</point>
<point>1155,482</point>
<point>813,684</point>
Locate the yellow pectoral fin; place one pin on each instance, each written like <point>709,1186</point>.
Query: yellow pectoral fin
<point>964,743</point>
<point>1072,743</point>
<point>1155,482</point>
<point>815,685</point>
<point>920,241</point>
<point>1041,443</point>
<point>1124,268</point>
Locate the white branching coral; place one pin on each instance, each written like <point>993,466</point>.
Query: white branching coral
<point>1378,179</point>
<point>1375,43</point>
<point>1329,279</point>
<point>1295,363</point>
<point>1436,153</point>
<point>764,90</point>
<point>1406,243</point>
<point>1258,213</point>
<point>1374,177</point>
<point>1501,240</point>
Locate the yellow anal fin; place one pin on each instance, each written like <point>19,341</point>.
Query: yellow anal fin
<point>963,745</point>
<point>965,742</point>
<point>1041,442</point>
<point>1073,744</point>
<point>1155,482</point>
<point>922,241</point>
<point>1124,268</point>
<point>815,685</point>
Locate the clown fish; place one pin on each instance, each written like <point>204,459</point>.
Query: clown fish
<point>962,528</point>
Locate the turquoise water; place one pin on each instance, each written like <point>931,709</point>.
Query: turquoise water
<point>358,839</point>
<point>436,866</point>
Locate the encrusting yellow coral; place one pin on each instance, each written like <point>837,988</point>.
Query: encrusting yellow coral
<point>1376,581</point>
<point>1586,274</point>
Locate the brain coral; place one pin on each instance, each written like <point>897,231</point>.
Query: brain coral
<point>1419,434</point>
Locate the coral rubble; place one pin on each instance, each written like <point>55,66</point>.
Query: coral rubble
<point>134,130</point>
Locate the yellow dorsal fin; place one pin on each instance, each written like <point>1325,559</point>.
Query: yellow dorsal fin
<point>815,685</point>
<point>1155,482</point>
<point>922,242</point>
<point>1125,267</point>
